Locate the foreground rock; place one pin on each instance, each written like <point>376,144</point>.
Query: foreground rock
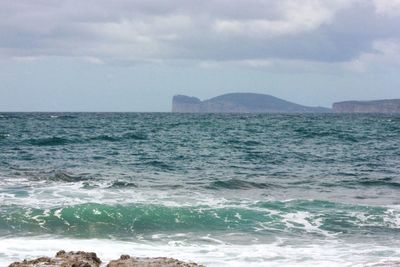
<point>127,261</point>
<point>90,259</point>
<point>63,259</point>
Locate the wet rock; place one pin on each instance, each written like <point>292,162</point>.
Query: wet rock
<point>43,261</point>
<point>90,259</point>
<point>63,259</point>
<point>127,261</point>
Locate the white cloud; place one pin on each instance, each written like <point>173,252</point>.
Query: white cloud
<point>137,39</point>
<point>93,60</point>
<point>387,7</point>
<point>295,17</point>
<point>26,59</point>
<point>144,30</point>
<point>386,53</point>
<point>247,63</point>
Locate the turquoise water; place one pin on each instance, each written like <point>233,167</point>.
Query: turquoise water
<point>219,189</point>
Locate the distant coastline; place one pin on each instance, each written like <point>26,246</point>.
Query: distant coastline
<point>262,103</point>
<point>240,103</point>
<point>374,106</point>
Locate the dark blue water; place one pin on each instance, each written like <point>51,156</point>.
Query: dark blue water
<point>224,190</point>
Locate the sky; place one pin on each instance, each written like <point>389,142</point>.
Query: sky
<point>130,55</point>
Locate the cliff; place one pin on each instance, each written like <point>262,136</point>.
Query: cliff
<point>240,103</point>
<point>376,106</point>
<point>182,103</point>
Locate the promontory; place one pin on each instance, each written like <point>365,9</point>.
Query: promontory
<point>375,106</point>
<point>240,103</point>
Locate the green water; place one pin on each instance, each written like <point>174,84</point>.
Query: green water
<point>289,190</point>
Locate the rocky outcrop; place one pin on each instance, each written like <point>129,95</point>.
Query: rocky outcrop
<point>240,103</point>
<point>376,106</point>
<point>182,103</point>
<point>63,259</point>
<point>90,259</point>
<point>127,261</point>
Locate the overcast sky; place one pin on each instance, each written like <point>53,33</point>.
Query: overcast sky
<point>127,55</point>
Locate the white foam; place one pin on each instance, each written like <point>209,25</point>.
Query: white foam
<point>392,218</point>
<point>238,216</point>
<point>42,194</point>
<point>306,221</point>
<point>279,253</point>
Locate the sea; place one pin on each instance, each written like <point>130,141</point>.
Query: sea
<point>216,189</point>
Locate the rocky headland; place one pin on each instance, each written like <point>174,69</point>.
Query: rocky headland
<point>262,103</point>
<point>240,103</point>
<point>90,259</point>
<point>375,106</point>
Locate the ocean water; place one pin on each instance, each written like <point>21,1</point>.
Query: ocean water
<point>218,189</point>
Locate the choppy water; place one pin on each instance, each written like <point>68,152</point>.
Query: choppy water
<point>222,190</point>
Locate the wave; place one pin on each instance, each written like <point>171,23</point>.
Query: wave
<point>237,184</point>
<point>50,141</point>
<point>134,136</point>
<point>59,141</point>
<point>328,133</point>
<point>106,138</point>
<point>122,184</point>
<point>160,165</point>
<point>119,138</point>
<point>63,116</point>
<point>381,182</point>
<point>244,143</point>
<point>384,182</point>
<point>100,220</point>
<point>59,176</point>
<point>291,218</point>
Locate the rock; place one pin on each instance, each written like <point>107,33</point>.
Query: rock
<point>182,103</point>
<point>90,259</point>
<point>63,259</point>
<point>127,261</point>
<point>240,103</point>
<point>43,261</point>
<point>376,106</point>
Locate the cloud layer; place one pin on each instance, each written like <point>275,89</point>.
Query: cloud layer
<point>354,33</point>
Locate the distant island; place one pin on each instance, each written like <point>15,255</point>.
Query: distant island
<point>375,106</point>
<point>240,103</point>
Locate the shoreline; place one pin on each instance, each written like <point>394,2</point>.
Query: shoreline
<point>90,259</point>
<point>329,253</point>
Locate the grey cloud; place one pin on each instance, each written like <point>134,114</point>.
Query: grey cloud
<point>186,30</point>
